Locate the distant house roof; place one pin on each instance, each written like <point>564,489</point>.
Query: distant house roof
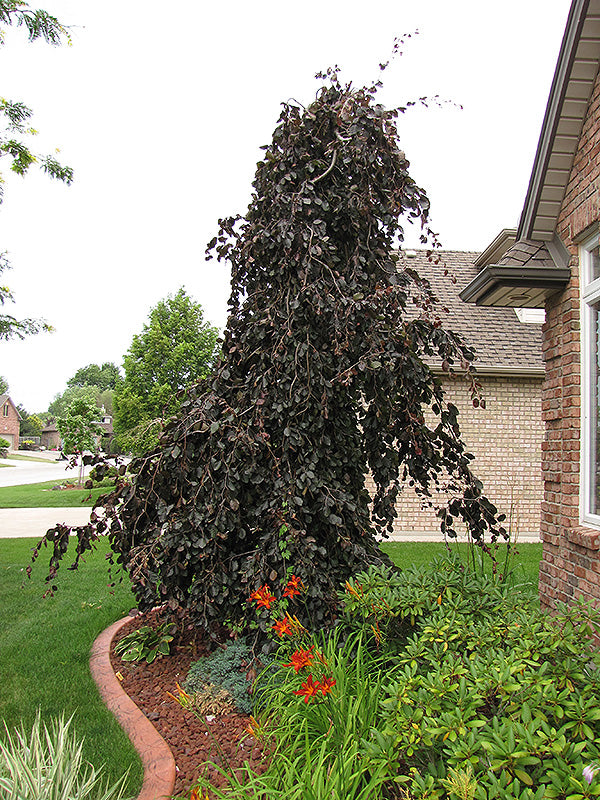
<point>502,343</point>
<point>6,398</point>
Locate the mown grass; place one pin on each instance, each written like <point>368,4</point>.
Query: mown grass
<point>522,568</point>
<point>45,648</point>
<point>40,495</point>
<point>21,457</point>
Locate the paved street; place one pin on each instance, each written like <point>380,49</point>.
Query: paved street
<point>17,472</point>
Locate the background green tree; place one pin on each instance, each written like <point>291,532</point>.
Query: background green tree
<point>107,376</point>
<point>31,424</point>
<point>60,405</point>
<point>3,385</point>
<point>175,349</point>
<point>94,382</point>
<point>80,430</point>
<point>15,133</point>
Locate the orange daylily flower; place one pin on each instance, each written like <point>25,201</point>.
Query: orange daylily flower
<point>293,587</point>
<point>351,590</point>
<point>263,597</point>
<point>326,685</point>
<point>300,659</point>
<point>308,689</point>
<point>283,626</point>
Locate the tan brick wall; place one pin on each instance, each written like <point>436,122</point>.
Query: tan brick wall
<point>570,565</point>
<point>505,439</point>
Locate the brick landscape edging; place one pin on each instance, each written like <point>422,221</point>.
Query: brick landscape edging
<point>157,759</point>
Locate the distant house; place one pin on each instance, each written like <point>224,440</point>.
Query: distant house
<point>506,436</point>
<point>50,437</point>
<point>10,422</point>
<point>553,262</point>
<point>107,435</point>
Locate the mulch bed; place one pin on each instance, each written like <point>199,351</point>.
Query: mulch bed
<point>195,744</point>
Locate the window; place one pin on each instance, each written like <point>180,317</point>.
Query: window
<point>590,378</point>
<point>5,410</point>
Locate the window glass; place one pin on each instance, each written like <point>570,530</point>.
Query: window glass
<point>594,378</point>
<point>594,262</point>
<point>590,384</point>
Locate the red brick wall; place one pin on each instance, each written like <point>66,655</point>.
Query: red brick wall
<point>506,439</point>
<point>570,565</point>
<point>10,425</point>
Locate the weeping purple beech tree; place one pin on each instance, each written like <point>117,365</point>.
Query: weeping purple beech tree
<point>323,379</point>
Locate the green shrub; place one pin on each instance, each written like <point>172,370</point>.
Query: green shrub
<point>228,668</point>
<point>443,684</point>
<point>48,765</point>
<point>388,604</point>
<point>103,471</point>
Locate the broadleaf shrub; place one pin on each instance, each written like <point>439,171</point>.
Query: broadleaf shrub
<point>477,695</point>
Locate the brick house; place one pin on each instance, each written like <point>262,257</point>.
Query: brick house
<point>506,436</point>
<point>10,422</point>
<point>554,263</point>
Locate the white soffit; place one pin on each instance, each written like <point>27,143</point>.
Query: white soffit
<point>572,87</point>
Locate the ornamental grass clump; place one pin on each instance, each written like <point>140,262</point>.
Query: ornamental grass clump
<point>47,764</point>
<point>231,668</point>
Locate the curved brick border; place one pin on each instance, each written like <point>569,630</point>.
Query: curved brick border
<point>157,759</point>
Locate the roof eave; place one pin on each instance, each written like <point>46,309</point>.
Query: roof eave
<point>493,371</point>
<point>507,286</point>
<point>535,222</point>
<point>494,251</point>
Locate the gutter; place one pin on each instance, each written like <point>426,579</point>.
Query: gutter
<point>560,81</point>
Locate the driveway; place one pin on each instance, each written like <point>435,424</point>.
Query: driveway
<point>17,522</point>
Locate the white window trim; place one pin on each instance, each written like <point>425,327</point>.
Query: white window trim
<point>590,295</point>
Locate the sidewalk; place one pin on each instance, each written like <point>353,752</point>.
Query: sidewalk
<point>17,523</point>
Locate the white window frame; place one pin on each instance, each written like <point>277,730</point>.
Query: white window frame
<point>589,440</point>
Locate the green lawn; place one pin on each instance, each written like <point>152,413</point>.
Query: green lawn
<point>21,457</point>
<point>523,565</point>
<point>40,495</point>
<point>45,646</point>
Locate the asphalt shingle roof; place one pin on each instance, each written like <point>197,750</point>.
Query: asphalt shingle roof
<point>499,338</point>
<point>526,251</point>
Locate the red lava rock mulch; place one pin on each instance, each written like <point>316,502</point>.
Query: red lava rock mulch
<point>223,740</point>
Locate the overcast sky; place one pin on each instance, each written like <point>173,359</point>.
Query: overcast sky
<point>161,110</point>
